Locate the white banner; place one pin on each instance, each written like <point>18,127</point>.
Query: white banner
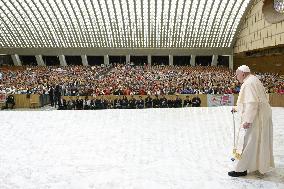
<point>220,100</point>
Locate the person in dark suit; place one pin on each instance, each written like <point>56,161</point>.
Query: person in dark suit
<point>71,105</point>
<point>79,104</point>
<point>148,102</point>
<point>124,102</point>
<point>196,101</point>
<point>132,103</point>
<point>98,104</point>
<point>10,100</point>
<point>178,102</point>
<point>156,102</point>
<point>187,102</point>
<point>87,103</point>
<point>171,103</point>
<point>109,104</point>
<point>104,103</point>
<point>163,102</point>
<point>92,105</point>
<point>57,95</point>
<point>51,95</point>
<point>117,103</point>
<point>140,103</point>
<point>63,105</point>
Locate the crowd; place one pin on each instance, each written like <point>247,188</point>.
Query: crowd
<point>122,102</point>
<point>40,80</point>
<point>127,80</point>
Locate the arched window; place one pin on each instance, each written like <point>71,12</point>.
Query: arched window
<point>279,6</point>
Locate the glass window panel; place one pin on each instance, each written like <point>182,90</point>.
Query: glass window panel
<point>213,25</point>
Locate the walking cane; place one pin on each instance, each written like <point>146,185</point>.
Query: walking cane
<point>233,112</point>
<point>235,154</point>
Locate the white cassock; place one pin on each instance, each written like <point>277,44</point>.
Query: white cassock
<point>253,106</point>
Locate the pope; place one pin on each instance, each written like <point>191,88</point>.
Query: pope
<point>256,118</point>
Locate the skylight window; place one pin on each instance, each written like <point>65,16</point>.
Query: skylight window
<point>120,24</point>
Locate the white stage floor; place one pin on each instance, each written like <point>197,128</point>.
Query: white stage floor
<point>127,149</point>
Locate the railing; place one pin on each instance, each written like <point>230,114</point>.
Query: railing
<point>37,101</point>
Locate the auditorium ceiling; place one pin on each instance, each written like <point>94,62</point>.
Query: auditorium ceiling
<point>140,24</point>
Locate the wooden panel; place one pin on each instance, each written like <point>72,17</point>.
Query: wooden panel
<point>2,104</point>
<point>276,100</point>
<point>271,63</point>
<point>22,101</point>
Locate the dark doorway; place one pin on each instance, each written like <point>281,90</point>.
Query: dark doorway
<point>95,60</point>
<point>223,61</point>
<point>139,60</point>
<point>203,60</point>
<point>73,60</point>
<point>6,60</point>
<point>117,59</point>
<point>51,60</point>
<point>28,60</point>
<point>160,60</point>
<point>182,60</point>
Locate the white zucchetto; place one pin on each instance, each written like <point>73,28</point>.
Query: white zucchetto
<point>244,68</point>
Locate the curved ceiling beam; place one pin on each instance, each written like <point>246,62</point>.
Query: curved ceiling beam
<point>139,24</point>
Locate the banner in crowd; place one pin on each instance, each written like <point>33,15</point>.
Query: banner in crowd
<point>220,100</point>
<point>2,97</point>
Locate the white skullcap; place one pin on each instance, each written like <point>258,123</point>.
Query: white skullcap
<point>244,68</point>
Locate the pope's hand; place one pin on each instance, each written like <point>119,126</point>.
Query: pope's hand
<point>246,125</point>
<point>233,110</point>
